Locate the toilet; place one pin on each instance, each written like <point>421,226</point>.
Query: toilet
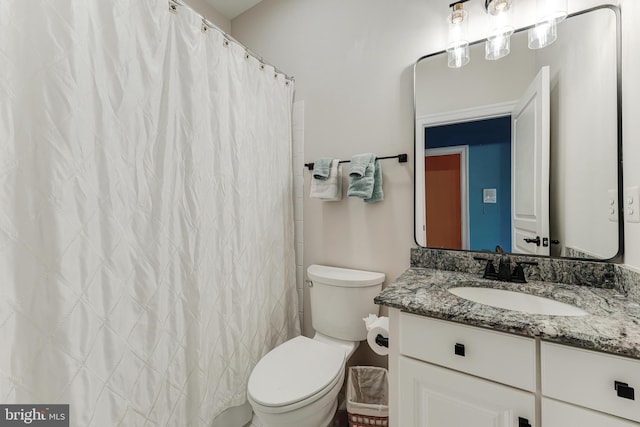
<point>297,383</point>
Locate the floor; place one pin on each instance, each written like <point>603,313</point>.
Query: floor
<point>255,422</point>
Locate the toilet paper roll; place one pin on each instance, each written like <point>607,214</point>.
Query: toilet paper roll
<point>378,327</point>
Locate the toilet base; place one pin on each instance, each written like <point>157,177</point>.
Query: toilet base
<point>318,413</point>
<point>322,418</point>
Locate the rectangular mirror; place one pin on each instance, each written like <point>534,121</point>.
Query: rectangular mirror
<point>524,152</point>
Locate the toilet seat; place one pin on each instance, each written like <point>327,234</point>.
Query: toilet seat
<point>295,373</point>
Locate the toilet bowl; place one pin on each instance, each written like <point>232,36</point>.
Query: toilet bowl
<point>297,383</point>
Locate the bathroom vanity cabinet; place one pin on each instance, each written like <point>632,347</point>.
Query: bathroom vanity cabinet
<point>456,375</point>
<point>451,374</point>
<point>602,382</point>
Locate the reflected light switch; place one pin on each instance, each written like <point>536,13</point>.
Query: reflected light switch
<point>489,195</point>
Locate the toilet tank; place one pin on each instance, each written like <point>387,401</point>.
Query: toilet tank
<point>341,298</point>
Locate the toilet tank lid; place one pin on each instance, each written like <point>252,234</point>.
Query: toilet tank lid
<point>343,276</point>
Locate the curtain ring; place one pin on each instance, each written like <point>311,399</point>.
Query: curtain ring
<point>173,6</point>
<point>225,43</point>
<point>204,27</point>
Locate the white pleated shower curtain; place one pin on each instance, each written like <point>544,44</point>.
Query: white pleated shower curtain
<point>146,219</point>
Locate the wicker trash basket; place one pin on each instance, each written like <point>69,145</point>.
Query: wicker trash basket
<point>368,396</point>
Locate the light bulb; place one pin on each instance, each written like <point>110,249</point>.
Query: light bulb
<point>496,7</point>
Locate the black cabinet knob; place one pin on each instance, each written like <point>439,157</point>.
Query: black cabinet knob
<point>458,349</point>
<point>623,390</point>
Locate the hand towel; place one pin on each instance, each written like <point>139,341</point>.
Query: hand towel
<point>322,168</point>
<point>362,186</point>
<point>359,164</point>
<point>329,190</point>
<point>377,195</point>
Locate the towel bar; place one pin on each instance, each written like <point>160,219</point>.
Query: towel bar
<point>402,158</point>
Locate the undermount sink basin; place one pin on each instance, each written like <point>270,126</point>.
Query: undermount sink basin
<point>517,301</point>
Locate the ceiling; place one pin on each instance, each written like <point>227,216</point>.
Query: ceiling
<point>232,8</point>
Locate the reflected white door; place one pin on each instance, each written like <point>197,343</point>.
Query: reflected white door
<point>530,168</point>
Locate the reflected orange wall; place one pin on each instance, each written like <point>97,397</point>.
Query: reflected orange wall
<point>442,184</point>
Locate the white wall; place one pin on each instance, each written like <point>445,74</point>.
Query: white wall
<point>353,67</point>
<point>353,61</point>
<point>208,11</point>
<point>630,122</point>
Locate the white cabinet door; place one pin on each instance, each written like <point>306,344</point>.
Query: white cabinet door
<point>431,396</point>
<point>558,414</point>
<point>588,379</point>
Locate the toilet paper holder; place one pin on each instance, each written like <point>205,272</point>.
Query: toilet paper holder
<point>382,341</point>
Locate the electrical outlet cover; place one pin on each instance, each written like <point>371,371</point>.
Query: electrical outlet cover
<point>631,204</point>
<point>489,195</point>
<point>612,205</point>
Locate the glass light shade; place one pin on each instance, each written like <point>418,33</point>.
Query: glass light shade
<point>501,28</point>
<point>458,26</point>
<point>543,34</point>
<point>497,47</point>
<point>458,56</point>
<point>497,7</point>
<point>547,10</point>
<point>458,45</point>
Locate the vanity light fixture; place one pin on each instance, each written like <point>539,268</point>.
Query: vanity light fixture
<point>458,45</point>
<point>501,28</point>
<point>550,14</point>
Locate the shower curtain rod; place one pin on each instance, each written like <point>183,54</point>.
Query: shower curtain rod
<point>402,158</point>
<point>173,4</point>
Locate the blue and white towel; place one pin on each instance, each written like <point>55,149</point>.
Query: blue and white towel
<point>322,168</point>
<point>365,178</point>
<point>330,188</point>
<point>377,195</point>
<point>359,164</point>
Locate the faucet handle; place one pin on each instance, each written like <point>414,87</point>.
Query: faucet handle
<point>489,269</point>
<point>504,268</point>
<point>518,271</point>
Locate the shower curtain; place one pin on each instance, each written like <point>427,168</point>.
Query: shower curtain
<point>146,219</point>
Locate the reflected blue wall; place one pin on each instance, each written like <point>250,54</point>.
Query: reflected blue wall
<point>489,144</point>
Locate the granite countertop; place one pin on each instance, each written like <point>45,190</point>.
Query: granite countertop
<point>612,325</point>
